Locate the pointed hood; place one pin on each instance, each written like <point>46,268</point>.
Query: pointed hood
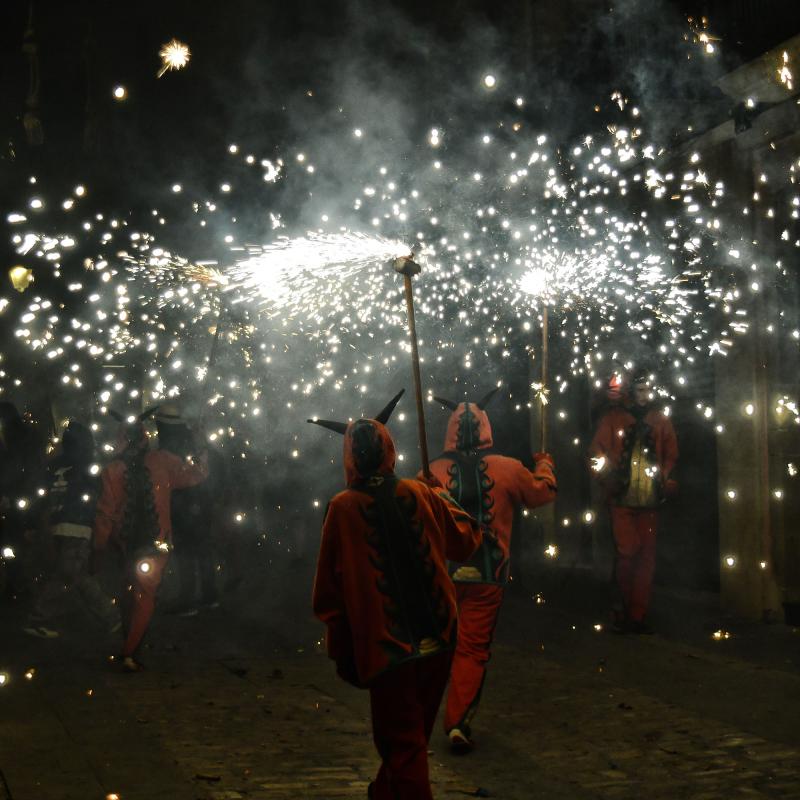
<point>469,427</point>
<point>368,446</point>
<point>368,450</point>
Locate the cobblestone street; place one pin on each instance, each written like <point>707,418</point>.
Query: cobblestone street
<point>232,710</point>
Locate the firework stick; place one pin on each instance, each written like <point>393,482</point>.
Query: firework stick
<point>545,354</point>
<point>406,267</point>
<point>212,353</point>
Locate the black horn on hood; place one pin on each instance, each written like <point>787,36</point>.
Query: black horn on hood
<point>446,403</point>
<point>341,427</point>
<point>331,425</point>
<point>483,402</point>
<point>386,412</point>
<point>148,412</point>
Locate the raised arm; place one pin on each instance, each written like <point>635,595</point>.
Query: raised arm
<point>537,488</point>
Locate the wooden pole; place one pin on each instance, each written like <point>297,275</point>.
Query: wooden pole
<point>423,437</point>
<point>543,410</point>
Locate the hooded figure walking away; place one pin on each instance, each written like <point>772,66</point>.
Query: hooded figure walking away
<point>133,513</point>
<point>383,592</point>
<point>490,487</point>
<point>633,454</point>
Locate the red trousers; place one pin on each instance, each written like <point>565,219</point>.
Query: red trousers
<point>635,540</point>
<point>478,607</point>
<point>405,701</point>
<point>139,598</point>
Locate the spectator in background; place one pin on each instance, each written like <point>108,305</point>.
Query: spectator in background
<point>73,488</point>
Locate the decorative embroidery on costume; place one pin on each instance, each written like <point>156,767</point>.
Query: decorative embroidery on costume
<point>415,607</point>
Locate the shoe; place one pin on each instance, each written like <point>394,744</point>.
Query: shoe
<point>641,628</point>
<point>41,632</point>
<point>189,612</point>
<point>459,741</point>
<point>130,664</point>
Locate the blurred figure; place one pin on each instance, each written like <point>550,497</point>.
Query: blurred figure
<point>72,498</point>
<point>22,474</point>
<point>133,514</point>
<point>490,487</point>
<point>633,454</point>
<point>195,515</point>
<point>383,592</point>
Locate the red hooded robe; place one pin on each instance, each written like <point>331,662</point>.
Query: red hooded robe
<point>489,486</point>
<point>382,586</point>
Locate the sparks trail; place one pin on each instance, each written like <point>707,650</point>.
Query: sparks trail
<point>310,275</point>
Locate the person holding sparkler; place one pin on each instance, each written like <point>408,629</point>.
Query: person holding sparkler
<point>133,512</point>
<point>383,591</point>
<point>633,454</point>
<point>490,487</point>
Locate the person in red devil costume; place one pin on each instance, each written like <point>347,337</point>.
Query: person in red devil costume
<point>633,454</point>
<point>133,513</point>
<point>490,487</point>
<point>383,591</point>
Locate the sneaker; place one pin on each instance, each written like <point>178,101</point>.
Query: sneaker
<point>459,741</point>
<point>130,664</point>
<point>41,632</point>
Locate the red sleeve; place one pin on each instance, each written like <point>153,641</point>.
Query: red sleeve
<point>328,598</point>
<point>184,472</point>
<point>536,488</point>
<point>462,534</point>
<point>107,511</point>
<point>602,442</point>
<point>669,447</point>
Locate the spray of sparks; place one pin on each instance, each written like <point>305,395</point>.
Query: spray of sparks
<point>625,247</point>
<point>295,277</point>
<point>174,55</point>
